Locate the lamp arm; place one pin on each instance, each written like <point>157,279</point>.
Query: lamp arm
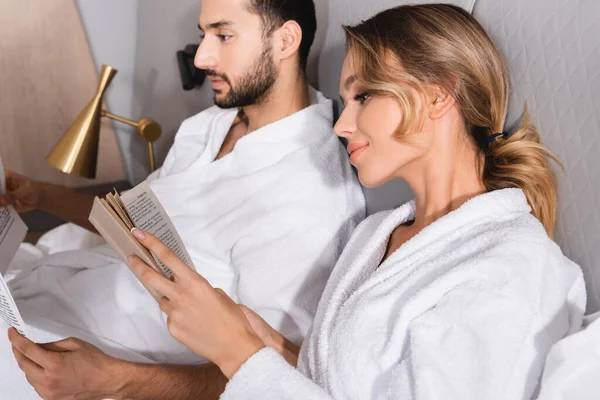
<point>151,156</point>
<point>148,129</point>
<point>106,114</point>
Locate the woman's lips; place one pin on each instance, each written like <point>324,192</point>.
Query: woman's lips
<point>355,150</point>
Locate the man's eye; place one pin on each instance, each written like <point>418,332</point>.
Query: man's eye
<point>224,38</point>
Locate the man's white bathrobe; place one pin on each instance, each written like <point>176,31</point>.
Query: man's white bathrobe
<point>266,223</point>
<point>467,309</point>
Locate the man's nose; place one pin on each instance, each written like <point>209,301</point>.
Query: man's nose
<point>205,58</point>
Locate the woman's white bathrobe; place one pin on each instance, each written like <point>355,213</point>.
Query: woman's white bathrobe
<point>467,309</point>
<point>266,223</point>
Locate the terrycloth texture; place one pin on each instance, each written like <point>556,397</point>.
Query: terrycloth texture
<point>467,309</point>
<point>266,223</point>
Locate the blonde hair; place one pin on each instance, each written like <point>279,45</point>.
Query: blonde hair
<point>408,47</point>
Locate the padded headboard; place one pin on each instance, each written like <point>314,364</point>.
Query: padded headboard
<point>553,50</point>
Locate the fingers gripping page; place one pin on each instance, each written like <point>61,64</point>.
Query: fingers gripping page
<point>147,213</point>
<point>115,216</point>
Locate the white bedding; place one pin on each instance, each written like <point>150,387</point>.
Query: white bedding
<point>62,238</point>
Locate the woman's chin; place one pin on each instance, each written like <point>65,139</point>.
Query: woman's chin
<point>370,181</point>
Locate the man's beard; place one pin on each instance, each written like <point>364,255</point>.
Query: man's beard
<point>254,87</point>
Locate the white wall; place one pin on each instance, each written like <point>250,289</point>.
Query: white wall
<point>111,28</point>
<point>165,27</point>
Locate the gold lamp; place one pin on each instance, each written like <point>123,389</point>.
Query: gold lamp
<point>77,152</point>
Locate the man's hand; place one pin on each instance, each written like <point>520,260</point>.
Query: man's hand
<point>26,194</point>
<point>70,369</point>
<point>21,192</point>
<point>271,337</point>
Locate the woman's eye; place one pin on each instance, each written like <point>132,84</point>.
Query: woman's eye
<point>362,97</point>
<point>224,38</point>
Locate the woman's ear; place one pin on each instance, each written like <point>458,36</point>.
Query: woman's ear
<point>291,37</point>
<point>440,102</point>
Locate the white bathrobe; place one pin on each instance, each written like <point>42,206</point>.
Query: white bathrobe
<point>573,365</point>
<point>266,223</point>
<point>467,309</point>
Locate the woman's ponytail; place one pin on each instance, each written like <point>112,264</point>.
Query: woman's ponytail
<point>520,160</point>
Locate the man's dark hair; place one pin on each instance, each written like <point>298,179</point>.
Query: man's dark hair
<point>275,13</point>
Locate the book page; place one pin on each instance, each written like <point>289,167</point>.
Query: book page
<point>122,214</point>
<point>117,198</point>
<point>116,234</point>
<point>147,213</point>
<point>9,311</point>
<point>12,229</point>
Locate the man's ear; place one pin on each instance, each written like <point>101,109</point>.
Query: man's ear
<point>290,35</point>
<point>440,102</point>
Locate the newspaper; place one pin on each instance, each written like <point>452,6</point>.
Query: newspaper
<point>12,234</point>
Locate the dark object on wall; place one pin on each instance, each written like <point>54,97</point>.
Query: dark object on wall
<point>191,76</point>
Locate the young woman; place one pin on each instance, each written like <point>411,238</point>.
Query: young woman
<point>458,294</point>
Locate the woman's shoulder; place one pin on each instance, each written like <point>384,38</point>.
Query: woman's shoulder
<point>526,238</point>
<point>522,256</point>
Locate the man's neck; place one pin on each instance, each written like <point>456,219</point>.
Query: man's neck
<point>285,99</point>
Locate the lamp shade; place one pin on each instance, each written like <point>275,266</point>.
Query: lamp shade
<point>77,152</point>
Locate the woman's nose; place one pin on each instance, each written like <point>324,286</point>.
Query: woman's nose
<point>346,124</point>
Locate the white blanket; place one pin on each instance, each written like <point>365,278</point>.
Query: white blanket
<point>467,309</point>
<point>265,223</point>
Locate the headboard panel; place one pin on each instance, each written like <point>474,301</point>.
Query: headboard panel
<point>553,50</point>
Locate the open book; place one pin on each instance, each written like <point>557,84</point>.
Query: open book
<point>12,234</point>
<point>115,216</point>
